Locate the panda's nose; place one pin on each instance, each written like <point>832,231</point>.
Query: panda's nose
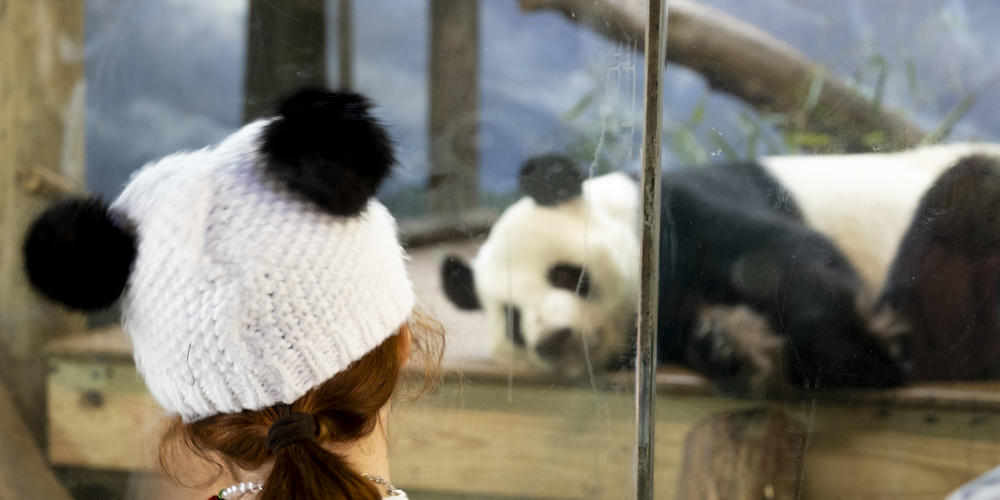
<point>553,346</point>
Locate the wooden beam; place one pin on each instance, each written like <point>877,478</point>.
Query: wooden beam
<point>429,230</point>
<point>345,44</point>
<point>453,180</point>
<point>740,59</point>
<point>286,50</point>
<point>23,470</point>
<point>541,438</point>
<point>41,153</point>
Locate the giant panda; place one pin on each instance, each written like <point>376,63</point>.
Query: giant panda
<point>787,273</point>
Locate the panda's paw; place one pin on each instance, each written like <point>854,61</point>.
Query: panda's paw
<point>889,328</point>
<point>737,349</point>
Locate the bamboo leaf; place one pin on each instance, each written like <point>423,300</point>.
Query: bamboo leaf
<point>580,106</point>
<point>815,89</point>
<point>698,113</point>
<point>911,79</point>
<point>882,66</point>
<point>686,146</point>
<point>720,142</point>
<point>949,121</point>
<point>798,140</point>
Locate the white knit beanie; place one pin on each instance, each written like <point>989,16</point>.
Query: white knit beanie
<point>254,270</point>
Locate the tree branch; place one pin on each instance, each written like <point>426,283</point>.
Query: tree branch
<point>737,58</point>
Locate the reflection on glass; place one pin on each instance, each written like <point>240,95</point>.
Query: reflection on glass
<point>796,280</point>
<point>824,314</point>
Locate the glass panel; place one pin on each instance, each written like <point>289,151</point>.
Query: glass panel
<point>822,317</point>
<point>516,130</point>
<point>828,308</point>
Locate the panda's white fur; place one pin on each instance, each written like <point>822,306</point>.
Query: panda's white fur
<point>863,202</point>
<point>596,230</point>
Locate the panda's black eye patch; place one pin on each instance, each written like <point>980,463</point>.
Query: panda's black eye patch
<point>570,277</point>
<point>513,316</point>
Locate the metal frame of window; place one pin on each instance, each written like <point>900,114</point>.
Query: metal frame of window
<point>645,366</point>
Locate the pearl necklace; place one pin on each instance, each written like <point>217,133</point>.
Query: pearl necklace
<point>238,490</point>
<point>393,491</point>
<point>247,487</point>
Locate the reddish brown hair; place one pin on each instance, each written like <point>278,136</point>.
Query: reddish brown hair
<point>345,407</point>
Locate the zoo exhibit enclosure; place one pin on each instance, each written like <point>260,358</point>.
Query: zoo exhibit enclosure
<point>916,442</point>
<point>497,428</point>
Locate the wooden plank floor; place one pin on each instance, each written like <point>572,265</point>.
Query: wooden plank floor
<point>532,440</point>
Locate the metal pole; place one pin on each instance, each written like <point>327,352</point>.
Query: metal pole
<point>649,237</point>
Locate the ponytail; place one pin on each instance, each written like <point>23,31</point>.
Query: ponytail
<point>302,465</point>
<point>307,471</point>
<point>340,411</point>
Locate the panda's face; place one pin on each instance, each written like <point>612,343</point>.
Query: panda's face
<point>558,282</point>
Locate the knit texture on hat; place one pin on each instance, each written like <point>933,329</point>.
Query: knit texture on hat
<point>243,295</point>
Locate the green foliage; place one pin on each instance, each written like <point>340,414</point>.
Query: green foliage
<point>881,66</point>
<point>874,138</point>
<point>686,146</point>
<point>795,141</point>
<point>719,141</point>
<point>600,138</point>
<point>815,89</point>
<point>911,79</point>
<point>585,102</point>
<point>949,121</point>
<point>695,137</point>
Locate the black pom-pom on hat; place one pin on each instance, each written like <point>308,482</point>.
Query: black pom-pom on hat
<point>327,147</point>
<point>78,254</point>
<point>550,179</point>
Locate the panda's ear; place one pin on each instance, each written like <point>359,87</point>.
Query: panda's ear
<point>79,253</point>
<point>459,283</point>
<point>328,148</point>
<point>550,179</point>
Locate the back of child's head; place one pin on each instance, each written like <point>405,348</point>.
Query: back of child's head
<point>262,285</point>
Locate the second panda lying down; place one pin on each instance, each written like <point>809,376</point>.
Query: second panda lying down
<point>816,271</point>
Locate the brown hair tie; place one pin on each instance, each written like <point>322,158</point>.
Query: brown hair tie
<point>289,429</point>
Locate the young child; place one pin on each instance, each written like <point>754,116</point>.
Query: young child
<point>265,294</point>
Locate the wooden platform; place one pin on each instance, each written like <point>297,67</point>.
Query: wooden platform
<point>498,431</point>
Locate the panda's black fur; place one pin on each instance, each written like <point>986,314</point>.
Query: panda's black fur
<point>733,236</point>
<point>945,279</point>
<point>759,300</point>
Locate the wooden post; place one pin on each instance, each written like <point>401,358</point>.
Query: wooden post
<point>746,455</point>
<point>286,50</point>
<point>345,45</point>
<point>41,137</point>
<point>23,470</point>
<point>453,181</point>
